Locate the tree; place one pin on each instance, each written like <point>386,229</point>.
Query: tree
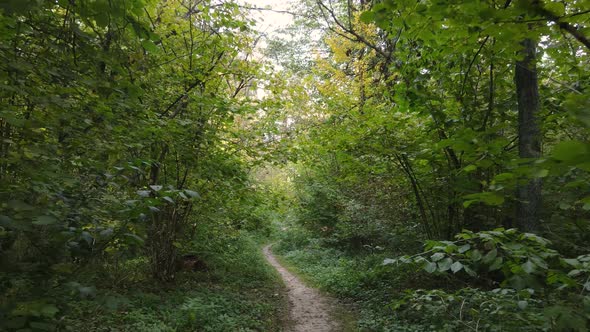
<point>529,136</point>
<point>398,66</point>
<point>117,116</point>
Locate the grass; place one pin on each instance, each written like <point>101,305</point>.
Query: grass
<point>404,298</point>
<point>359,281</point>
<point>239,292</point>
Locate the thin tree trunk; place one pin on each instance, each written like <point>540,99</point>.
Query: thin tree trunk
<point>428,229</point>
<point>529,144</point>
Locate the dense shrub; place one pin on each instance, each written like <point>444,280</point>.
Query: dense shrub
<point>425,292</point>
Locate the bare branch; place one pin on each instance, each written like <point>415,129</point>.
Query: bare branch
<point>271,10</point>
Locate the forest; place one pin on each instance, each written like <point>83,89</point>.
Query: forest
<point>415,165</point>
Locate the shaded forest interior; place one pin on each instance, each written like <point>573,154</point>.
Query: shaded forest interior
<point>425,162</point>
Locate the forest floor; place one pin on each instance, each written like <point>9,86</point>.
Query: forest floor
<point>309,310</point>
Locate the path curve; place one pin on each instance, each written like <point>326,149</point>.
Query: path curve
<point>308,308</point>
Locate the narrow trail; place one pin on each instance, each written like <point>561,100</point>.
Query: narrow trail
<point>308,308</point>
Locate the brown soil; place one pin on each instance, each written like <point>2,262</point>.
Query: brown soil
<point>309,310</point>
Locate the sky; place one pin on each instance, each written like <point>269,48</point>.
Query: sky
<point>269,21</point>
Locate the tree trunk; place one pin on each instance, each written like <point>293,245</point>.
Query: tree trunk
<point>529,144</point>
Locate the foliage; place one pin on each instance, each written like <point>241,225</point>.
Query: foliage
<point>239,291</point>
<point>412,132</point>
<point>125,129</point>
<point>523,259</point>
<point>359,280</point>
<point>134,134</point>
<point>497,310</point>
<point>351,216</point>
<point>416,105</point>
<point>398,297</point>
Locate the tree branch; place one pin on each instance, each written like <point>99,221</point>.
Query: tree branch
<point>271,10</point>
<point>471,64</point>
<point>359,38</point>
<point>191,87</point>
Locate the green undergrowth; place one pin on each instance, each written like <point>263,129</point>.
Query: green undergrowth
<point>357,280</point>
<point>407,297</point>
<point>235,291</point>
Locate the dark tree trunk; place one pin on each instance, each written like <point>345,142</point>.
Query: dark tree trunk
<point>529,144</point>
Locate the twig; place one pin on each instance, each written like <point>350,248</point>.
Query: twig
<point>471,64</point>
<point>271,10</point>
<point>461,310</point>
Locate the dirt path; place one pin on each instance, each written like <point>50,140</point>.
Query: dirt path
<point>309,309</point>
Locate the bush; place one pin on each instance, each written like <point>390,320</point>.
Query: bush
<point>503,257</point>
<point>430,291</point>
<point>238,292</point>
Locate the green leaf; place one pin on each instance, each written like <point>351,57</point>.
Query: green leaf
<point>476,255</point>
<point>503,177</point>
<point>556,8</point>
<point>19,205</point>
<point>488,198</point>
<point>192,194</point>
<point>496,264</point>
<point>539,262</point>
<point>571,261</point>
<point>430,267</point>
<point>112,303</point>
<point>143,193</point>
<point>437,256</point>
<point>388,261</point>
<point>64,268</point>
<point>522,305</point>
<point>156,187</point>
<point>469,169</point>
<point>87,291</point>
<point>541,173</point>
<point>102,19</point>
<point>517,282</point>
<point>468,203</point>
<point>45,220</point>
<point>168,199</point>
<point>456,267</point>
<point>574,273</point>
<point>469,271</point>
<point>134,237</point>
<point>15,322</point>
<point>42,326</point>
<point>149,46</point>
<point>464,248</point>
<point>367,17</point>
<point>7,222</point>
<point>528,267</point>
<point>490,256</point>
<point>445,264</point>
<point>450,247</point>
<point>569,151</point>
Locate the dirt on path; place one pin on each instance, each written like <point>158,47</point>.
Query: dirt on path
<point>309,310</point>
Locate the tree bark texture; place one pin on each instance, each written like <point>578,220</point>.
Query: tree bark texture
<point>529,133</point>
